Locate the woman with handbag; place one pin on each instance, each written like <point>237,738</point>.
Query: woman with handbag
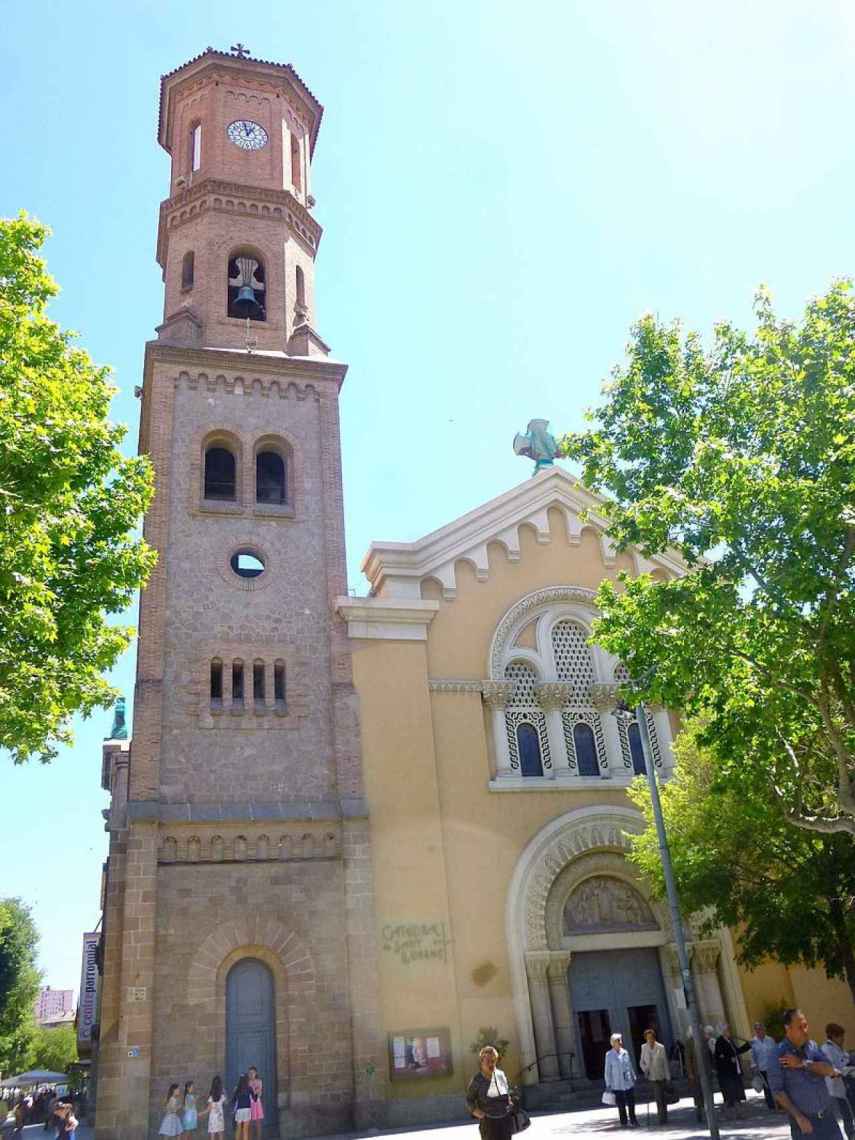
<point>620,1080</point>
<point>654,1065</point>
<point>729,1071</point>
<point>489,1100</point>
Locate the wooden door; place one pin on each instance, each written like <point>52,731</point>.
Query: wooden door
<point>251,1031</point>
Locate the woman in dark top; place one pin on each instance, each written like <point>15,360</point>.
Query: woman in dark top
<point>488,1098</point>
<point>729,1070</point>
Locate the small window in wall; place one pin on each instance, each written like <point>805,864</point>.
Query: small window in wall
<point>258,682</point>
<point>187,270</point>
<point>247,563</point>
<point>220,476</point>
<point>246,288</point>
<point>237,682</point>
<point>216,681</point>
<point>635,749</point>
<point>279,683</point>
<point>270,478</point>
<point>531,763</point>
<point>301,287</point>
<point>586,750</point>
<point>296,172</point>
<point>196,146</point>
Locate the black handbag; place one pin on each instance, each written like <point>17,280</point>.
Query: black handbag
<point>520,1119</point>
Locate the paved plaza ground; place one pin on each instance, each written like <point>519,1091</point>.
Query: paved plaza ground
<point>600,1122</point>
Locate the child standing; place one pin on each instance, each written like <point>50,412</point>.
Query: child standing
<point>189,1117</point>
<point>242,1102</point>
<point>216,1110</point>
<point>256,1109</point>
<point>171,1123</point>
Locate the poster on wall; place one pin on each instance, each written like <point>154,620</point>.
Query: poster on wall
<point>88,1006</point>
<point>419,1053</point>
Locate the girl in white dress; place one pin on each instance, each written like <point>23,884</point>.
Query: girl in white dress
<point>215,1111</point>
<point>171,1124</point>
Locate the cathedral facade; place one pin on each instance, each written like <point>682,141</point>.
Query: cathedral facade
<point>349,835</point>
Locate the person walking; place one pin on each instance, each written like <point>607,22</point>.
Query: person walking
<point>838,1056</point>
<point>171,1123</point>
<point>619,1076</point>
<point>189,1115</point>
<point>242,1105</point>
<point>256,1109</point>
<point>654,1065</point>
<point>216,1108</point>
<point>797,1073</point>
<point>729,1070</point>
<point>762,1048</point>
<point>488,1098</point>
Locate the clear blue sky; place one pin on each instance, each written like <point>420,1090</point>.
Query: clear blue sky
<point>504,187</point>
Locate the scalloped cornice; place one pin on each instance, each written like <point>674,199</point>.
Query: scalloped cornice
<point>396,569</point>
<point>220,363</point>
<point>212,194</point>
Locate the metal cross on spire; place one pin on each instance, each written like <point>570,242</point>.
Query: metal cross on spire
<point>239,50</point>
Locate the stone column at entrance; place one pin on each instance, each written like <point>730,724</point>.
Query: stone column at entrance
<point>537,967</point>
<point>674,982</point>
<point>705,957</point>
<point>562,1014</point>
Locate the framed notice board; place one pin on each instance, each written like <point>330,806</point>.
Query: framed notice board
<point>419,1054</point>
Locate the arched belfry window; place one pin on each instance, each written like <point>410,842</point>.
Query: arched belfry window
<point>195,146</point>
<point>247,297</point>
<point>220,473</point>
<point>187,270</point>
<point>271,478</point>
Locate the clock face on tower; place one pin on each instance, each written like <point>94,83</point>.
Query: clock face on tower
<point>246,134</point>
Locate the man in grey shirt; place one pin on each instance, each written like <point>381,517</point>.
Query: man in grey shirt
<point>797,1073</point>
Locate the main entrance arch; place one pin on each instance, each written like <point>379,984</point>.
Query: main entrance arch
<point>589,948</point>
<point>251,1032</point>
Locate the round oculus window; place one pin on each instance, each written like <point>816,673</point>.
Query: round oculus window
<point>247,563</point>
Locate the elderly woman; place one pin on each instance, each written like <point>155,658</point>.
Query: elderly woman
<point>488,1098</point>
<point>620,1079</point>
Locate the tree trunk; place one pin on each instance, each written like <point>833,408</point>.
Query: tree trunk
<point>844,943</point>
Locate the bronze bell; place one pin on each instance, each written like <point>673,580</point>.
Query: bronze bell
<point>245,302</point>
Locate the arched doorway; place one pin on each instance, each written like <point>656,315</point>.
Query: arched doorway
<point>251,1031</point>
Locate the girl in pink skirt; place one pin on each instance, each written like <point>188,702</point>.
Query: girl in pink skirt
<point>256,1108</point>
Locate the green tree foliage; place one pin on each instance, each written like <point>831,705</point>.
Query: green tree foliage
<point>740,458</point>
<point>53,1049</point>
<point>69,503</point>
<point>737,860</point>
<point>19,984</point>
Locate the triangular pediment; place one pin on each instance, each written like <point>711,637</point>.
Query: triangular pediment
<point>397,569</point>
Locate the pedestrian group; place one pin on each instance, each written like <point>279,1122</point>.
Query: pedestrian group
<point>181,1114</point>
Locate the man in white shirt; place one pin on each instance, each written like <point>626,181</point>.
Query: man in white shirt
<point>762,1048</point>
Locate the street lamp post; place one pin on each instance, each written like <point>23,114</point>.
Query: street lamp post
<point>702,1053</point>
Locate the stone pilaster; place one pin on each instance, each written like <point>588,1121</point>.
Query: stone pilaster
<point>552,697</point>
<point>496,695</point>
<point>603,698</point>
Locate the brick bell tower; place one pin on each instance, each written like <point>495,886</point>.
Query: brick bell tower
<point>238,921</point>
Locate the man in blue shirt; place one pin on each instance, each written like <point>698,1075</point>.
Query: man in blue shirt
<point>797,1072</point>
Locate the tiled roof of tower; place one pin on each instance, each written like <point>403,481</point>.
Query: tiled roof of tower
<point>213,53</point>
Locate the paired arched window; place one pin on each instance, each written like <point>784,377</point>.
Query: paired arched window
<point>187,270</point>
<point>246,287</point>
<point>528,743</point>
<point>220,473</point>
<point>636,751</point>
<point>271,478</point>
<point>585,747</point>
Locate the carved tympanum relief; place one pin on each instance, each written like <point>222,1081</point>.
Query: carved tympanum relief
<point>603,904</point>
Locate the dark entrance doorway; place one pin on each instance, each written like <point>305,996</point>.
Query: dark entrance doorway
<point>594,1033</point>
<point>616,991</point>
<point>250,1031</point>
